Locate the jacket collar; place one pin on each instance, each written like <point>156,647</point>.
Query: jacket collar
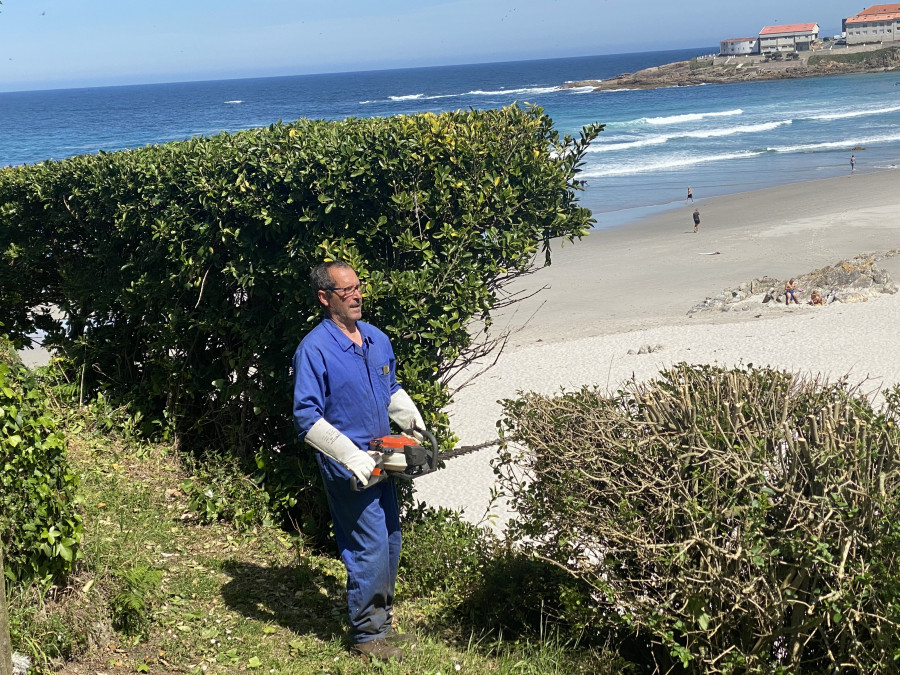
<point>343,341</point>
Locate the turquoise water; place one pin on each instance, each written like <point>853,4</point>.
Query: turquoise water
<point>718,139</point>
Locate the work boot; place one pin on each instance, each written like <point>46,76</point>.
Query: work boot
<point>401,639</point>
<point>378,650</point>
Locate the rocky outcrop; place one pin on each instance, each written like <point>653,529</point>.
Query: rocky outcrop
<point>647,349</point>
<point>21,664</point>
<point>862,59</point>
<point>854,280</point>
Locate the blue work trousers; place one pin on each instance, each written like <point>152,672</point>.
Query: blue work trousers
<point>367,529</point>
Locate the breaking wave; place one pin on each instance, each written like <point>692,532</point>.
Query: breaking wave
<point>689,117</point>
<point>854,113</point>
<point>843,144</point>
<point>666,163</point>
<point>521,91</point>
<point>706,133</point>
<point>407,97</point>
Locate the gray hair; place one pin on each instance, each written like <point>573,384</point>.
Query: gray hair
<point>320,277</point>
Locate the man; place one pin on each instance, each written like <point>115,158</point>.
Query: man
<point>345,391</point>
<point>696,219</point>
<point>790,292</point>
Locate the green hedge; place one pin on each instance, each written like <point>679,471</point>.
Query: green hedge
<point>40,529</point>
<point>735,521</point>
<point>181,270</point>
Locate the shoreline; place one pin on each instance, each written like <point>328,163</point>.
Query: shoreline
<point>623,288</point>
<point>780,232</point>
<point>626,217</point>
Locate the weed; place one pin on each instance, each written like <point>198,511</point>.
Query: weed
<point>50,625</point>
<point>130,607</point>
<point>442,553</point>
<point>219,491</point>
<point>40,528</point>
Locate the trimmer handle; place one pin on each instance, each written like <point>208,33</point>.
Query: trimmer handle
<point>434,457</point>
<point>378,474</point>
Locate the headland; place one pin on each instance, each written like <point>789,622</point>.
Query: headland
<point>828,59</point>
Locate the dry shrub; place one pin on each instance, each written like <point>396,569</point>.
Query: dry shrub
<point>736,520</point>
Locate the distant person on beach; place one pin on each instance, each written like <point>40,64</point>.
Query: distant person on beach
<point>696,219</point>
<point>816,298</point>
<point>790,292</point>
<point>690,196</point>
<point>852,163</point>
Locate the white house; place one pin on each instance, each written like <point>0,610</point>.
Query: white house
<point>744,45</point>
<point>795,37</point>
<point>878,23</point>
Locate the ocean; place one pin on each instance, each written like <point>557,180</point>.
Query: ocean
<point>718,139</point>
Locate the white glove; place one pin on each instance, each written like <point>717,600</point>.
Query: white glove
<point>404,412</point>
<point>329,441</point>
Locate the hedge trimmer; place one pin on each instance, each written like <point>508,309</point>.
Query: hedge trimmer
<point>404,457</point>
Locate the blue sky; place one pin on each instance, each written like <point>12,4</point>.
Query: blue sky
<point>64,43</point>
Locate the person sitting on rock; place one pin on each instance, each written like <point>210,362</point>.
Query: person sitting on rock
<point>816,298</point>
<point>790,292</point>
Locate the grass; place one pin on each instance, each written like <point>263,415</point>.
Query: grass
<point>160,592</point>
<point>871,58</point>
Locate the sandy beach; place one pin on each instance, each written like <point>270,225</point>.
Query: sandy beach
<point>619,289</point>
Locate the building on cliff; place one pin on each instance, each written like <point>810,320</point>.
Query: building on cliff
<point>745,45</point>
<point>795,37</point>
<point>878,23</point>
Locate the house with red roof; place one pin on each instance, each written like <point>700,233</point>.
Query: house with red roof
<point>794,37</point>
<point>878,23</point>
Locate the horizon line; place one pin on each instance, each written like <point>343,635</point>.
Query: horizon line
<point>3,90</point>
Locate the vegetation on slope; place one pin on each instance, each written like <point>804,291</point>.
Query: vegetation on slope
<point>184,571</point>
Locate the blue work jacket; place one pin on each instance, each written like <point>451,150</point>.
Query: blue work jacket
<point>347,384</point>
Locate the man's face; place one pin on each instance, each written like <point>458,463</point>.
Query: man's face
<point>344,305</point>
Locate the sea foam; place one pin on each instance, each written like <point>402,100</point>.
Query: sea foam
<point>854,113</point>
<point>664,164</point>
<point>689,117</point>
<point>407,97</point>
<point>845,144</point>
<point>699,134</point>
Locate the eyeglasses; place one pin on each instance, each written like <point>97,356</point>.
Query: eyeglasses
<point>348,291</point>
